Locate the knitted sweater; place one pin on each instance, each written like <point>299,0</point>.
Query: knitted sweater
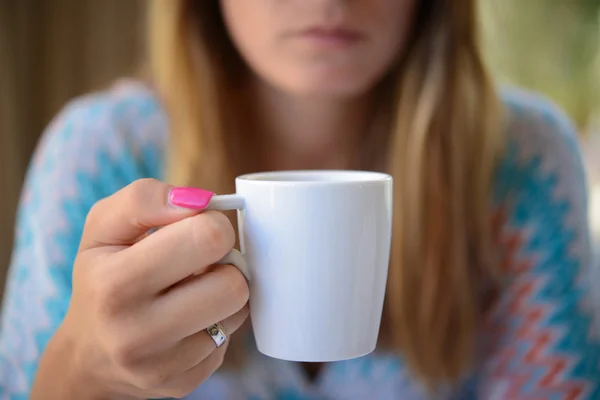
<point>540,331</point>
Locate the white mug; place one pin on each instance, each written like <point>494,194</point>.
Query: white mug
<point>315,249</point>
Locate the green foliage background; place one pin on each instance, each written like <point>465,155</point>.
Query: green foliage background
<point>551,46</point>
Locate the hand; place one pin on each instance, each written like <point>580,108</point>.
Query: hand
<point>136,324</point>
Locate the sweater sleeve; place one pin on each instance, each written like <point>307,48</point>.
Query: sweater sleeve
<point>543,340</point>
<point>85,154</point>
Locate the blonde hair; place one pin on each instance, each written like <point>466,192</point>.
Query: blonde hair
<point>441,147</point>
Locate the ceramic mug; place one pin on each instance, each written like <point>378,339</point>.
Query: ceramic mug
<point>315,249</point>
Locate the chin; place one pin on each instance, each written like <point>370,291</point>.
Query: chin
<point>327,87</point>
<point>328,92</point>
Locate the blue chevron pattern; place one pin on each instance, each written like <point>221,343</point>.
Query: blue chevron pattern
<point>548,348</point>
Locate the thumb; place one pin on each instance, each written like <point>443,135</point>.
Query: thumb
<point>122,218</point>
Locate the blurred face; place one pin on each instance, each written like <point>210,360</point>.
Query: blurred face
<point>338,48</point>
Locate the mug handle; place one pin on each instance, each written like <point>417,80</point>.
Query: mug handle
<point>224,203</point>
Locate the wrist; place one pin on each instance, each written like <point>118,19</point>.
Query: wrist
<point>81,382</point>
<point>64,373</point>
<point>84,375</point>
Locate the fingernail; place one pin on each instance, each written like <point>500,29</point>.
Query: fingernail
<point>191,198</point>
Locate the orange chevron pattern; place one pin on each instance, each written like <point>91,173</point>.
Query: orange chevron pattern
<point>522,353</point>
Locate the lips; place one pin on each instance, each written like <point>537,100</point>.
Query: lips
<point>331,37</point>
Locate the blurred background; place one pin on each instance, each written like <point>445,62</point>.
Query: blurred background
<point>51,51</point>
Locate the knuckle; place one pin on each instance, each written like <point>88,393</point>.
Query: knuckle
<point>144,185</point>
<point>213,234</point>
<point>138,191</point>
<point>198,375</point>
<point>219,360</point>
<point>208,368</point>
<point>214,363</point>
<point>237,287</point>
<point>95,213</point>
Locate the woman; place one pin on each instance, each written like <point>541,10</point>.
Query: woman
<point>484,299</point>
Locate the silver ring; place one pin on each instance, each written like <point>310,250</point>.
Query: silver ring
<point>217,333</point>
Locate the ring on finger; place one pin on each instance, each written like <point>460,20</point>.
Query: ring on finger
<point>217,333</point>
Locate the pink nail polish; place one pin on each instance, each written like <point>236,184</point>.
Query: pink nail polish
<point>191,198</point>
